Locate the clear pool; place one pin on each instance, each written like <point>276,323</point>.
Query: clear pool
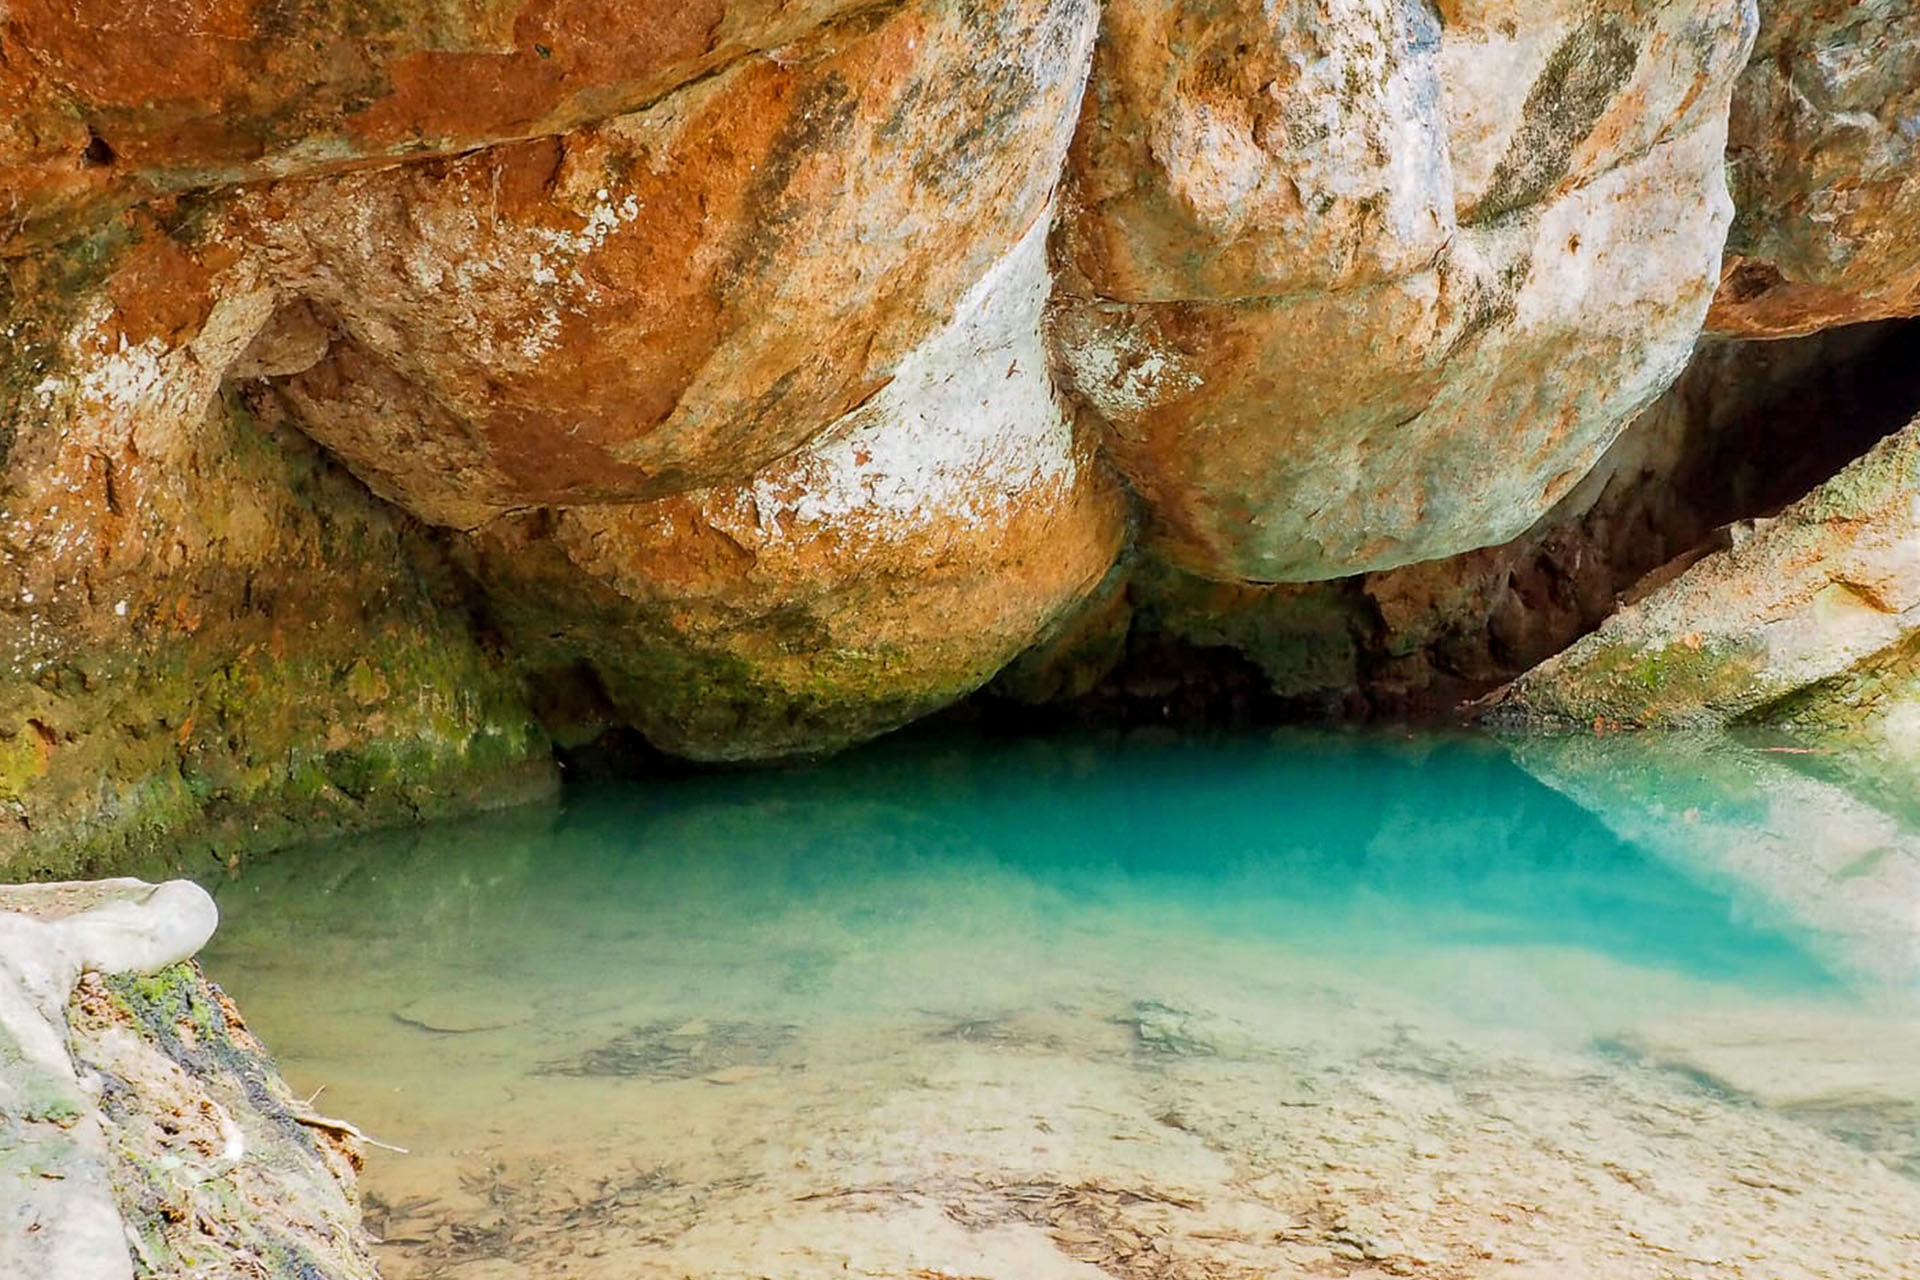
<point>1308,1004</point>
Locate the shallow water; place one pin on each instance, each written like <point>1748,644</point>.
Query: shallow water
<point>1304,1005</point>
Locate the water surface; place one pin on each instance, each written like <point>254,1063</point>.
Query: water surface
<point>1309,1004</point>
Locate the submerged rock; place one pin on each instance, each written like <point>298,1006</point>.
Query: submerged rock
<point>1797,846</point>
<point>1855,1076</point>
<point>143,1131</point>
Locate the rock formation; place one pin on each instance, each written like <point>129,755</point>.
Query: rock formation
<point>142,1130</point>
<point>1324,258</point>
<point>1822,150</point>
<point>881,572</point>
<point>388,394</point>
<point>209,629</point>
<point>1807,616</point>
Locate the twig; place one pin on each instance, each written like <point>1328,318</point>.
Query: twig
<point>347,1127</point>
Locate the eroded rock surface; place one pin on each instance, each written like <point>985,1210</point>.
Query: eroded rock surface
<point>1328,264</point>
<point>209,631</point>
<point>1811,613</point>
<point>1823,154</point>
<point>749,374</point>
<point>143,1131</point>
<point>1750,427</point>
<point>881,572</point>
<point>101,105</point>
<point>676,298</point>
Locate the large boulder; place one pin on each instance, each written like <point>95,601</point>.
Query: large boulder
<point>1825,163</point>
<point>881,572</point>
<point>1355,286</point>
<point>1749,428</point>
<point>675,298</point>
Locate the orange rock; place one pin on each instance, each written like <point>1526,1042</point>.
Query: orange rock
<point>1825,164</point>
<point>103,103</point>
<point>883,571</point>
<point>676,298</point>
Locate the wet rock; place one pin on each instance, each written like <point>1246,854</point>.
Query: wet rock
<point>1424,241</point>
<point>1823,152</point>
<point>1856,1077</point>
<point>209,631</point>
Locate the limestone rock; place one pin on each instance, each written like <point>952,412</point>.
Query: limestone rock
<point>1750,427</point>
<point>675,298</point>
<point>1825,164</point>
<point>1328,264</point>
<point>143,1131</point>
<point>881,572</point>
<point>207,629</point>
<point>1800,608</point>
<point>102,104</point>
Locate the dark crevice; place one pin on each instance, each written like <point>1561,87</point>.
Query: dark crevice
<point>1749,429</point>
<point>98,153</point>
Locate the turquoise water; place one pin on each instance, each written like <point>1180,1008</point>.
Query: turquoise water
<point>1148,986</point>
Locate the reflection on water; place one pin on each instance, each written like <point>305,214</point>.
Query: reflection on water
<point>1306,1005</point>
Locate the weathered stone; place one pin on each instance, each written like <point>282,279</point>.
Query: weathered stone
<point>208,631</point>
<point>1749,427</point>
<point>708,338</point>
<point>676,298</point>
<point>102,104</point>
<point>1507,254</point>
<point>883,571</point>
<point>1828,590</point>
<point>143,1131</point>
<point>1825,164</point>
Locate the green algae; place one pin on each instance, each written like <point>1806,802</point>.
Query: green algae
<point>1689,681</point>
<point>327,677</point>
<point>187,1208</point>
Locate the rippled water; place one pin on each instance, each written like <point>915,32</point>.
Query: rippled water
<point>1302,1005</point>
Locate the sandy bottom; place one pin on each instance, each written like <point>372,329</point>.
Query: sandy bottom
<point>1145,1123</point>
<point>699,1060</point>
